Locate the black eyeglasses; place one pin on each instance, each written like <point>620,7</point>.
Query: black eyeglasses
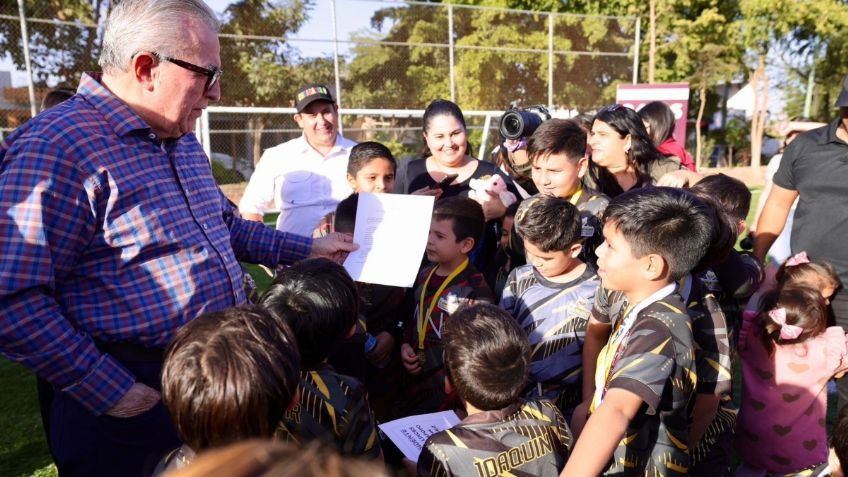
<point>212,74</point>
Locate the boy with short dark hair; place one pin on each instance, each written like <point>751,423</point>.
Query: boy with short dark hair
<point>211,405</point>
<point>319,300</point>
<point>487,359</point>
<point>645,375</point>
<point>732,194</point>
<point>551,298</point>
<point>380,306</point>
<point>441,287</point>
<point>837,457</point>
<point>712,311</point>
<point>557,152</point>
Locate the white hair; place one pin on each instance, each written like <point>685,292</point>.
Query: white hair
<point>149,25</point>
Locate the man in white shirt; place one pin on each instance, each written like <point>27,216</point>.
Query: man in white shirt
<point>306,176</point>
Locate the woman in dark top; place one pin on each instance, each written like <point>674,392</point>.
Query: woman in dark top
<point>446,154</point>
<point>623,156</point>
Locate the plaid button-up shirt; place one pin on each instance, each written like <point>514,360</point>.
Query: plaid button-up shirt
<point>108,233</point>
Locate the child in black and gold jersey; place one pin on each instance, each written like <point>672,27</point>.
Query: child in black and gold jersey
<point>488,359</point>
<point>449,281</point>
<point>319,301</point>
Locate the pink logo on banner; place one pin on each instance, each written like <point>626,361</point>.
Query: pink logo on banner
<point>675,95</point>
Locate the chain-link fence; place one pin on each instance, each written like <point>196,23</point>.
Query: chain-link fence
<point>402,57</point>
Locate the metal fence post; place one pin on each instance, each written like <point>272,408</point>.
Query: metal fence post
<point>25,40</point>
<point>450,54</point>
<point>205,139</point>
<point>487,123</point>
<point>336,64</point>
<point>550,60</point>
<point>636,50</point>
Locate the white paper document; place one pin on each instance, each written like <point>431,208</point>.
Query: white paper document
<point>391,230</point>
<point>410,433</point>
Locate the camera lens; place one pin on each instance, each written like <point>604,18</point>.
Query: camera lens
<point>517,123</point>
<point>512,125</point>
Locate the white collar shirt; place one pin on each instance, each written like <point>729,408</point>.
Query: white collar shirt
<point>303,185</point>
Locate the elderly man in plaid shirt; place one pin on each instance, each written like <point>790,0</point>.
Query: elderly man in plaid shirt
<point>114,234</point>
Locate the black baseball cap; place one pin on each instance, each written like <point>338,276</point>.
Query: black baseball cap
<point>842,100</point>
<point>310,93</point>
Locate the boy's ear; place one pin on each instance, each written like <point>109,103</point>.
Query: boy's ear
<point>582,166</point>
<point>655,267</point>
<point>298,119</point>
<point>351,332</point>
<point>467,245</point>
<point>448,385</point>
<point>351,181</point>
<point>574,250</point>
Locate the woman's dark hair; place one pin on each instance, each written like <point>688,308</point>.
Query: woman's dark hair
<point>442,107</point>
<point>641,156</point>
<point>229,376</point>
<point>319,301</point>
<point>661,119</point>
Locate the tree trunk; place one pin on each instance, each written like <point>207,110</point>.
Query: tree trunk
<point>257,125</point>
<point>652,40</point>
<point>702,96</point>
<point>758,80</point>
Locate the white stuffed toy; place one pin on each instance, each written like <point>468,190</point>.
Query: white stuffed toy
<point>495,184</point>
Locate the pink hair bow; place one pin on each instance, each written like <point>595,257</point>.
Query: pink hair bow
<point>798,259</point>
<point>787,332</point>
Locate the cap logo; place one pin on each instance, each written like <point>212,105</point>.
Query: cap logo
<point>312,90</point>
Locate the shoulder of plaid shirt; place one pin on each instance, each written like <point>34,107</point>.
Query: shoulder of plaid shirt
<point>110,234</point>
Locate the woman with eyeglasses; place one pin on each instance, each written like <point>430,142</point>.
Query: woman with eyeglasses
<point>624,157</point>
<point>447,154</point>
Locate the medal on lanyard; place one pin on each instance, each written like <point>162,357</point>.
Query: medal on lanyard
<point>422,318</point>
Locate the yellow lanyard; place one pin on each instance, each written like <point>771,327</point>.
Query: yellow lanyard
<point>422,319</point>
<point>607,358</point>
<point>576,196</point>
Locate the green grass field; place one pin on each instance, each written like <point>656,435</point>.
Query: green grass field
<point>23,448</point>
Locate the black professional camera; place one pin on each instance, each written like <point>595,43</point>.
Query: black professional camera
<point>518,122</point>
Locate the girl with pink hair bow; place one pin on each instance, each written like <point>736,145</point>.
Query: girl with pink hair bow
<point>799,270</point>
<point>788,354</point>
